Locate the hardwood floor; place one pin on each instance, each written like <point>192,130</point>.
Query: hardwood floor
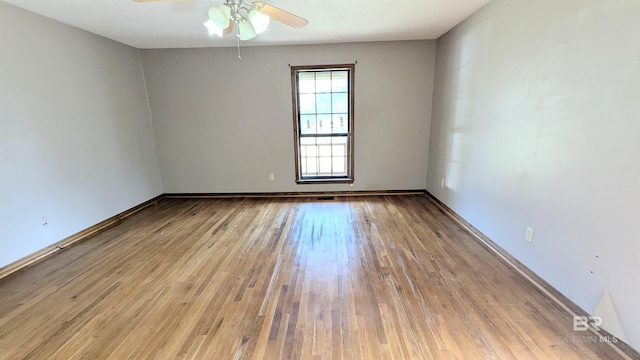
<point>377,277</point>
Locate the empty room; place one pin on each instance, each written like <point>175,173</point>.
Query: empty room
<point>227,179</point>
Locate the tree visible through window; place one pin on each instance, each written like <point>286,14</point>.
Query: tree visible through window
<point>323,122</point>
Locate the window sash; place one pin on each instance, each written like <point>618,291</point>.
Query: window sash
<point>324,157</point>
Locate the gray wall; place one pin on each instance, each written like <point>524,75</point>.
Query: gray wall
<point>76,142</point>
<point>535,123</point>
<point>223,124</point>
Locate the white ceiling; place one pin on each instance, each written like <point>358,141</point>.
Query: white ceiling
<point>178,24</point>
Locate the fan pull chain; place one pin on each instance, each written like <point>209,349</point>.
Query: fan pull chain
<point>238,42</point>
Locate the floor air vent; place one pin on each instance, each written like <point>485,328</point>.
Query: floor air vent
<point>325,198</point>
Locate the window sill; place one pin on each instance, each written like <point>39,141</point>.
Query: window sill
<point>325,181</point>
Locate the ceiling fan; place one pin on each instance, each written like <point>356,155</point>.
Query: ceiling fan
<point>252,18</point>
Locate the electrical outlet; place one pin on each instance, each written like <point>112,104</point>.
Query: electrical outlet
<point>271,177</point>
<point>44,220</point>
<point>529,235</point>
<point>442,184</point>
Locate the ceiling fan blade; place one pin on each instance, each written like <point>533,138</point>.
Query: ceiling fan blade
<point>229,29</point>
<point>280,15</point>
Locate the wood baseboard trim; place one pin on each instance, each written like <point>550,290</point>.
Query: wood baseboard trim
<point>291,194</point>
<point>76,238</point>
<point>623,349</point>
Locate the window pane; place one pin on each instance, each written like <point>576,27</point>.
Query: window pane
<point>323,82</point>
<point>307,141</point>
<point>325,166</point>
<point>340,166</point>
<point>323,140</point>
<point>339,150</point>
<point>307,104</point>
<point>306,83</point>
<point>339,140</point>
<point>339,81</point>
<point>324,124</point>
<point>340,123</point>
<point>323,103</point>
<point>324,150</point>
<point>312,150</point>
<point>312,167</point>
<point>308,124</point>
<point>340,103</point>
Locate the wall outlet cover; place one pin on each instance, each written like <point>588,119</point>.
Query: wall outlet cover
<point>529,234</point>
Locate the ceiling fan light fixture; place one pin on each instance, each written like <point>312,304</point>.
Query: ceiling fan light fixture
<point>259,20</point>
<point>213,29</point>
<point>246,30</point>
<point>220,16</point>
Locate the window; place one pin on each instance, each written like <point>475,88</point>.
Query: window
<point>323,123</point>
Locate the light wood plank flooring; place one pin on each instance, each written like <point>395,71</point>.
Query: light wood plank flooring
<point>375,277</point>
